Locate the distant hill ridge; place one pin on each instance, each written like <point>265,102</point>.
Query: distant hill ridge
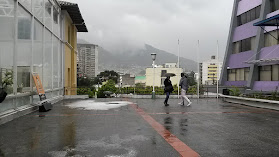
<point>137,60</point>
<point>142,57</point>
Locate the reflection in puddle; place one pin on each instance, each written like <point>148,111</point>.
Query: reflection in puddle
<point>183,126</point>
<point>168,123</point>
<point>35,139</point>
<point>2,153</point>
<point>112,146</point>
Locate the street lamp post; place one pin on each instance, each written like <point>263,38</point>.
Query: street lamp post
<point>153,55</point>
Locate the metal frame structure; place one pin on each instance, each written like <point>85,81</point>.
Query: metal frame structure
<point>269,22</point>
<point>7,10</point>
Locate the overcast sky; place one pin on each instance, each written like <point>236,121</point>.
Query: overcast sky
<point>119,25</point>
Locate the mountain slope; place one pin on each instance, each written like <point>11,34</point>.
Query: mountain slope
<point>138,60</point>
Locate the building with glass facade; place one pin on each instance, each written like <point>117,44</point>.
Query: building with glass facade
<point>31,40</point>
<point>249,44</point>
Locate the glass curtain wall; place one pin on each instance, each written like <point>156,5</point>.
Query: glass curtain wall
<point>30,41</point>
<point>238,74</point>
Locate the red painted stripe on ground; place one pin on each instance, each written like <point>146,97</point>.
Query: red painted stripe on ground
<point>178,145</point>
<point>69,115</point>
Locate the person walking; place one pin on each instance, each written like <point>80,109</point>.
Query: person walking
<point>184,88</point>
<point>168,89</point>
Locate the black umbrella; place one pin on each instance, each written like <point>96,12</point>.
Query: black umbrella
<point>170,75</point>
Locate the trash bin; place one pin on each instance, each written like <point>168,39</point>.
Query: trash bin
<point>226,92</point>
<point>3,95</point>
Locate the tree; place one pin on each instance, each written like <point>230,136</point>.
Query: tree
<point>84,82</point>
<point>109,86</point>
<point>109,75</point>
<point>191,78</point>
<point>97,80</point>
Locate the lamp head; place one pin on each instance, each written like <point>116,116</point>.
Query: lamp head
<point>153,55</point>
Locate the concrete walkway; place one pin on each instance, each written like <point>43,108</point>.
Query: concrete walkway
<point>143,128</point>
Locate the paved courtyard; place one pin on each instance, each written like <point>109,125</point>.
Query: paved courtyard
<point>143,128</point>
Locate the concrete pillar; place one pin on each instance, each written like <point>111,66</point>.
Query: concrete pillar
<point>224,73</point>
<point>254,69</point>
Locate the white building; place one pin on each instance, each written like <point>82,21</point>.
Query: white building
<point>209,70</point>
<point>87,59</point>
<point>160,72</point>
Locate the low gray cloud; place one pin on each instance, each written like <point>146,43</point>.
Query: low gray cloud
<point>120,25</point>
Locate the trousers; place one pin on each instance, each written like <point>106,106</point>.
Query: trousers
<point>183,96</point>
<point>167,97</point>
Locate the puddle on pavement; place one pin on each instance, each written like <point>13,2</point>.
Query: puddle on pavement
<point>93,105</point>
<point>112,146</point>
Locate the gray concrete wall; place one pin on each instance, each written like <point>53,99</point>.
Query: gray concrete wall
<point>224,74</point>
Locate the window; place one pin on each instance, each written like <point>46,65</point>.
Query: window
<point>163,73</point>
<point>38,9</point>
<point>6,41</point>
<point>269,73</point>
<point>231,74</point>
<point>258,12</point>
<point>238,74</point>
<point>249,16</point>
<point>265,73</point>
<point>243,45</point>
<point>24,51</point>
<point>26,4</point>
<point>211,70</point>
<point>24,24</point>
<point>55,22</point>
<point>274,5</point>
<point>269,38</point>
<point>236,47</point>
<point>253,14</point>
<point>47,60</point>
<point>246,74</point>
<point>48,18</point>
<point>275,72</point>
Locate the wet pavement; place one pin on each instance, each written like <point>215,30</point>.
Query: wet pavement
<point>208,128</point>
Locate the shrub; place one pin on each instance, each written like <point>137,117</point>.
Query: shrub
<point>86,91</point>
<point>109,86</point>
<point>235,91</point>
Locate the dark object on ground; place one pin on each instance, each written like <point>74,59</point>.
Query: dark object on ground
<point>226,92</point>
<point>108,94</point>
<point>3,95</point>
<point>45,106</point>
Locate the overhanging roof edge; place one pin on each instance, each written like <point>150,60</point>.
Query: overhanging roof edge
<point>264,22</point>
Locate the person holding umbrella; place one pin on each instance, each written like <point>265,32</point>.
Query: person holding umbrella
<point>184,88</point>
<point>168,88</point>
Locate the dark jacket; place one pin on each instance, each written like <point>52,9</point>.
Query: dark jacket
<point>168,85</point>
<point>184,83</point>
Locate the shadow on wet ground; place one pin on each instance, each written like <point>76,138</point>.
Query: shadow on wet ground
<point>209,127</point>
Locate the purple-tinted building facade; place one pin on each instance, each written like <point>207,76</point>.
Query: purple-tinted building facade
<point>248,44</point>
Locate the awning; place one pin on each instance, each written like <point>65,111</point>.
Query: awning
<point>272,21</point>
<point>264,61</point>
<point>75,14</point>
